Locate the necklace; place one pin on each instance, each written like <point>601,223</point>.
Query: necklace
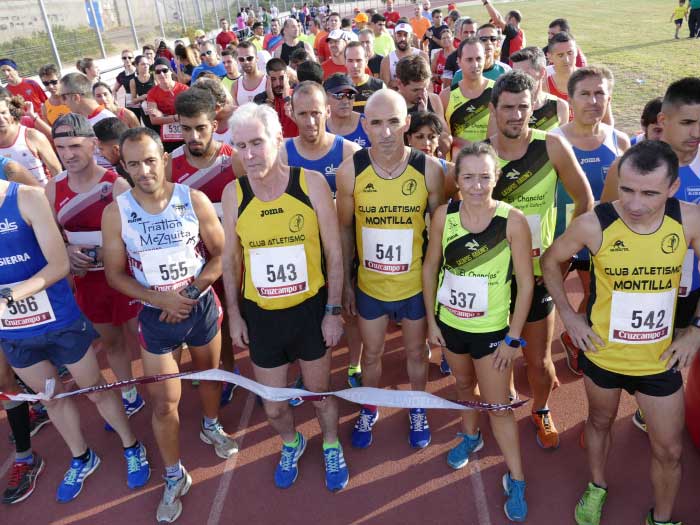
<point>393,173</point>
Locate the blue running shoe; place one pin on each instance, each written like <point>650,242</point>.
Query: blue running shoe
<point>227,391</point>
<point>129,408</point>
<point>73,481</point>
<point>419,432</point>
<point>286,472</point>
<point>296,401</point>
<point>515,506</point>
<point>362,433</point>
<point>355,380</point>
<point>444,366</point>
<point>458,457</point>
<point>138,471</point>
<point>337,474</point>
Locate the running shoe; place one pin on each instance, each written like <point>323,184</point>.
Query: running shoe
<point>571,351</point>
<point>458,457</point>
<point>38,417</point>
<point>224,446</point>
<point>22,480</point>
<point>227,391</point>
<point>590,506</point>
<point>355,380</point>
<point>286,472</point>
<point>138,471</point>
<point>170,506</point>
<point>75,476</point>
<point>444,366</point>
<point>547,435</point>
<point>362,432</point>
<point>515,506</point>
<point>639,421</point>
<point>296,401</point>
<point>419,430</point>
<point>129,408</point>
<point>337,474</point>
<point>651,521</point>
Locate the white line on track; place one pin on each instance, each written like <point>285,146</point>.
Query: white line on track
<point>217,505</point>
<point>480,498</point>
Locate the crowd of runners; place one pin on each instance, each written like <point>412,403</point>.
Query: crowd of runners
<point>307,186</point>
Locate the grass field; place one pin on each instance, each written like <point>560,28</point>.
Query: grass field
<point>634,38</point>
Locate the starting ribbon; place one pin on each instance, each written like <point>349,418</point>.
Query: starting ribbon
<point>361,395</point>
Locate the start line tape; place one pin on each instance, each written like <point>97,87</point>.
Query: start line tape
<point>360,395</point>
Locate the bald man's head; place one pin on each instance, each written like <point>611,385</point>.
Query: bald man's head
<point>382,99</point>
<point>386,120</point>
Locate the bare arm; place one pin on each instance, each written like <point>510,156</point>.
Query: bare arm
<point>435,182</point>
<point>610,191</point>
<point>232,261</point>
<point>445,141</point>
<point>212,234</point>
<point>345,206</point>
<point>431,266</point>
<point>131,120</point>
<point>495,16</point>
<point>15,172</point>
<point>570,173</point>
<point>41,145</point>
<point>562,111</point>
<point>385,72</point>
<point>518,234</point>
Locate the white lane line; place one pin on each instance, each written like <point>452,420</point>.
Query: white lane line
<point>480,498</point>
<point>217,505</point>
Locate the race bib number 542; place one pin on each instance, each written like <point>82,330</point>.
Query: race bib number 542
<point>641,318</point>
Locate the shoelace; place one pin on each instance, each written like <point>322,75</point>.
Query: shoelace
<point>417,421</point>
<point>133,462</point>
<point>72,475</point>
<point>364,423</point>
<point>287,460</point>
<point>170,486</point>
<point>218,433</point>
<point>18,470</point>
<point>333,460</point>
<point>546,422</point>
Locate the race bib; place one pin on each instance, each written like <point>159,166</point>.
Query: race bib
<point>29,312</point>
<point>533,221</point>
<point>570,208</point>
<point>387,251</point>
<point>84,238</point>
<point>641,318</point>
<point>171,132</point>
<point>280,271</point>
<point>168,269</point>
<point>686,274</point>
<point>465,297</point>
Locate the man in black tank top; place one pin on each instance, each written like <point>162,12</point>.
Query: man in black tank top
<point>291,42</point>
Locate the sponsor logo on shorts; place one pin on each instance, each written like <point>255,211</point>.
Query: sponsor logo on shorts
<point>494,344</point>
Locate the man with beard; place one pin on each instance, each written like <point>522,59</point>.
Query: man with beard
<point>277,91</point>
<point>337,40</point>
<point>252,81</point>
<point>402,39</point>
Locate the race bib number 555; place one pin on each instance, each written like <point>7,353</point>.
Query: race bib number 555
<point>641,318</point>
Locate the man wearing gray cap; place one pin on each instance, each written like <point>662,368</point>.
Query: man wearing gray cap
<point>337,40</point>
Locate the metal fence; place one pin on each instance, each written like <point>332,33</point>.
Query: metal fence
<point>36,32</point>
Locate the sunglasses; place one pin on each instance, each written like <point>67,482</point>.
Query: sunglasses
<point>491,38</point>
<point>127,58</point>
<point>246,59</point>
<point>205,53</point>
<point>48,83</point>
<point>161,71</point>
<point>344,94</point>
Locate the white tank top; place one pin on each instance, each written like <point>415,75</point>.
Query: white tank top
<point>20,152</point>
<point>100,114</point>
<point>394,59</point>
<point>244,96</point>
<point>224,137</point>
<point>165,250</point>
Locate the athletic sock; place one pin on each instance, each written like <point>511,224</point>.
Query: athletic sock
<point>174,471</point>
<point>295,443</point>
<point>130,395</point>
<point>135,445</point>
<point>26,457</point>
<point>473,437</point>
<point>335,444</point>
<point>210,423</point>
<point>352,370</point>
<point>83,457</point>
<point>18,418</point>
<point>596,485</point>
<point>371,408</point>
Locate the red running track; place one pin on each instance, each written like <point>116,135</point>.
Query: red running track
<point>390,482</point>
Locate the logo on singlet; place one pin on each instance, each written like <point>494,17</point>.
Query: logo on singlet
<point>296,223</point>
<point>409,187</point>
<point>133,217</point>
<point>180,209</point>
<point>369,188</point>
<point>670,243</point>
<point>512,174</point>
<point>472,245</point>
<point>471,109</point>
<point>619,246</point>
<point>271,211</point>
<point>8,227</point>
<point>330,170</point>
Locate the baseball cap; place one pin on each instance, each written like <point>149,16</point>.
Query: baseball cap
<point>337,83</point>
<point>361,17</point>
<point>72,125</point>
<point>199,33</point>
<point>162,61</point>
<point>406,28</point>
<point>339,34</point>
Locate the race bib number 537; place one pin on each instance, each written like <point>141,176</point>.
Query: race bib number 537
<point>641,318</point>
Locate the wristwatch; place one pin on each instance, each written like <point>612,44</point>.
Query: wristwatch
<point>694,322</point>
<point>515,343</point>
<point>333,309</point>
<point>6,293</point>
<point>191,292</point>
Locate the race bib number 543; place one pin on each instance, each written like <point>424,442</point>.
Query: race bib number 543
<point>641,318</point>
<point>280,271</point>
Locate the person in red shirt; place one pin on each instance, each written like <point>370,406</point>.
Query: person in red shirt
<point>161,104</point>
<point>323,52</point>
<point>510,27</point>
<point>392,17</point>
<point>337,40</point>
<point>226,36</point>
<point>24,87</point>
<point>277,94</point>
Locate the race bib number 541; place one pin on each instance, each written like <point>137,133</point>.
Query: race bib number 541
<point>641,318</point>
<point>387,251</point>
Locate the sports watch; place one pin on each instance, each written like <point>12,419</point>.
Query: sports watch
<point>191,292</point>
<point>333,309</point>
<point>6,293</point>
<point>515,343</point>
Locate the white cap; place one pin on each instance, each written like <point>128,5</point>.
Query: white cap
<point>339,34</point>
<point>406,28</point>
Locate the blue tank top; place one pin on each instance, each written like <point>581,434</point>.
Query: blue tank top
<point>689,191</point>
<point>3,163</point>
<point>20,259</point>
<point>327,165</point>
<point>358,136</point>
<point>595,164</point>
